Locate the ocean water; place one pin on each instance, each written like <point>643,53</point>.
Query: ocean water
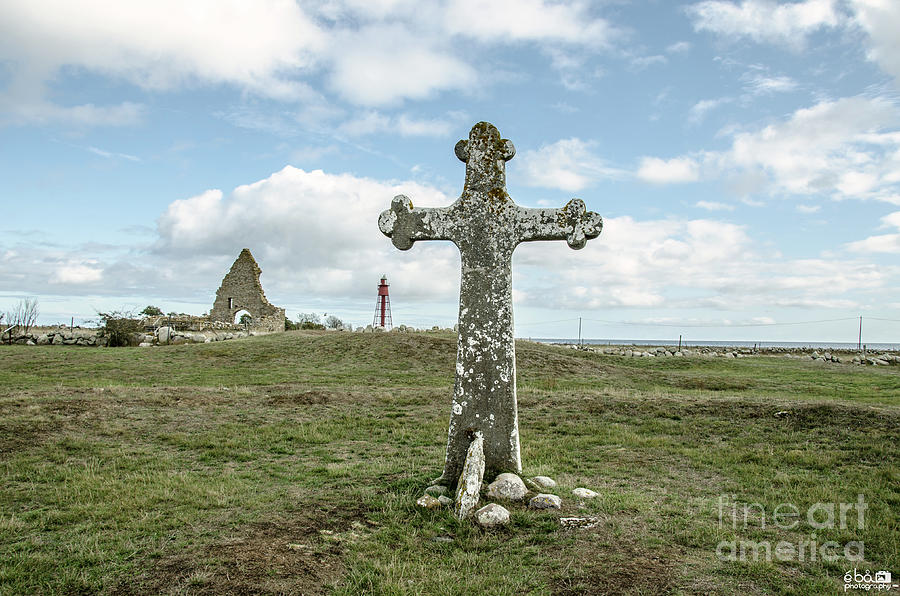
<point>823,345</point>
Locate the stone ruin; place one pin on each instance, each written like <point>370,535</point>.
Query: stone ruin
<point>241,290</point>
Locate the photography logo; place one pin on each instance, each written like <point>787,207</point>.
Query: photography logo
<point>880,581</point>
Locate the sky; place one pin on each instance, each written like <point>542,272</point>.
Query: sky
<point>744,154</point>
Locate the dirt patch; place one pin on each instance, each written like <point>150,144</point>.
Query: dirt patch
<point>30,421</point>
<point>709,383</point>
<point>624,568</point>
<point>804,417</point>
<point>301,555</point>
<point>304,398</point>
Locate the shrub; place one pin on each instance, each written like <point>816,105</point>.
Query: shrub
<point>119,327</point>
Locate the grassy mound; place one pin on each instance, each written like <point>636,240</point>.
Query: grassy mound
<point>290,463</point>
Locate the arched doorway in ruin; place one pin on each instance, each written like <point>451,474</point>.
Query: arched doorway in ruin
<point>243,317</point>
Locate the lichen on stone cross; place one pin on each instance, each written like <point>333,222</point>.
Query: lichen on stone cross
<point>486,225</point>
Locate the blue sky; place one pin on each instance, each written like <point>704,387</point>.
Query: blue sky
<point>745,156</point>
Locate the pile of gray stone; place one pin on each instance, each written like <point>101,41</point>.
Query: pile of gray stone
<point>171,336</point>
<point>404,329</point>
<point>59,336</point>
<point>878,359</point>
<point>882,358</point>
<point>507,489</point>
<point>89,337</point>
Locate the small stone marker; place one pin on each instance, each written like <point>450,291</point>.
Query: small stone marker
<point>469,486</point>
<point>580,522</point>
<point>545,501</point>
<point>486,225</point>
<point>584,493</point>
<point>492,515</point>
<point>543,482</point>
<point>436,490</point>
<point>428,502</point>
<point>507,486</point>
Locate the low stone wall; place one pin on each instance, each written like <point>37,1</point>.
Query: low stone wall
<point>90,337</point>
<point>171,336</point>
<point>876,358</point>
<point>403,329</point>
<point>58,336</point>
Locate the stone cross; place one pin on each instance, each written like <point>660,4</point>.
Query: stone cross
<point>486,225</point>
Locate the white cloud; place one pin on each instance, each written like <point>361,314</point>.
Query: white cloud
<point>764,21</point>
<point>758,84</point>
<point>686,263</point>
<point>882,243</point>
<point>808,209</point>
<point>368,68</point>
<point>679,47</point>
<point>714,206</point>
<point>847,148</point>
<point>699,110</point>
<point>310,228</point>
<point>368,53</point>
<point>372,122</point>
<point>76,273</point>
<point>642,62</point>
<point>881,20</point>
<point>528,20</point>
<point>315,237</point>
<point>839,147</point>
<point>161,45</point>
<point>112,154</point>
<point>567,164</point>
<point>38,111</point>
<point>661,171</point>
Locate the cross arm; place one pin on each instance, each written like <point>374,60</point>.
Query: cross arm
<point>404,225</point>
<point>573,223</point>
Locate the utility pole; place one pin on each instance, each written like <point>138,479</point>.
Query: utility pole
<point>679,342</point>
<point>859,342</point>
<point>579,332</point>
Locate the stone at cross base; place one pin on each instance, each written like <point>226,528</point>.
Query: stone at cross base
<point>486,225</point>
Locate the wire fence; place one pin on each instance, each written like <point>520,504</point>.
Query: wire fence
<point>856,333</point>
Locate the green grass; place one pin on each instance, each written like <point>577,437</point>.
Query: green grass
<point>291,464</point>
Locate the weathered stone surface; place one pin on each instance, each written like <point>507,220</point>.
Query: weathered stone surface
<point>583,523</point>
<point>492,515</point>
<point>486,225</point>
<point>545,501</point>
<point>507,486</point>
<point>469,485</point>
<point>436,490</point>
<point>544,482</point>
<point>428,502</point>
<point>584,493</point>
<point>445,500</point>
<point>164,334</point>
<point>241,290</point>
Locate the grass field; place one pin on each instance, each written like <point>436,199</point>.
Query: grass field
<point>291,463</point>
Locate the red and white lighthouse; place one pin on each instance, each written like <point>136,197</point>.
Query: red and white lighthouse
<point>382,306</point>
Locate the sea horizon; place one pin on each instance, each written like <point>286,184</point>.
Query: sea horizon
<point>827,345</point>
